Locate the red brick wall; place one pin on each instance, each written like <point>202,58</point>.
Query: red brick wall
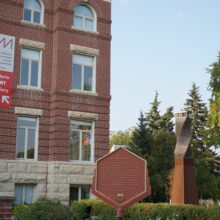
<point>6,207</point>
<point>55,100</point>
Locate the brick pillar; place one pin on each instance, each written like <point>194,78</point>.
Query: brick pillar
<point>6,203</point>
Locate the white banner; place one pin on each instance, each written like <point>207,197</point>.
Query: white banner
<point>7,46</point>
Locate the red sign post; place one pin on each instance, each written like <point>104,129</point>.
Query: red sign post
<point>7,45</point>
<point>121,179</point>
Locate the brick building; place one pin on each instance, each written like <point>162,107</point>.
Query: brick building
<point>58,124</point>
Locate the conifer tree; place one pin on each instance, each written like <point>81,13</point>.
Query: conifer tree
<point>141,138</point>
<point>166,120</point>
<point>153,118</point>
<point>203,154</point>
<point>198,110</point>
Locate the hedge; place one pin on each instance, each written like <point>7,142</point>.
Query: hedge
<point>43,209</point>
<point>148,211</point>
<point>53,210</point>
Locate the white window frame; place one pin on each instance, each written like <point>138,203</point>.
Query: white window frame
<point>36,139</point>
<point>80,191</point>
<point>86,17</point>
<point>23,191</point>
<point>29,68</point>
<point>93,73</point>
<point>32,14</point>
<point>92,123</point>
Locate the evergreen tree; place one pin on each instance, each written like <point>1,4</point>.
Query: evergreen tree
<point>198,110</point>
<point>203,154</point>
<point>166,120</point>
<point>161,157</point>
<point>141,140</point>
<point>153,118</point>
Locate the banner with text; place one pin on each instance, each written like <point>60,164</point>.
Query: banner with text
<point>7,46</point>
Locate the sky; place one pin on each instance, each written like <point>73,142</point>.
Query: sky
<point>163,46</point>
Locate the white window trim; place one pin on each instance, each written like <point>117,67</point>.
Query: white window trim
<point>39,70</point>
<point>80,191</point>
<point>36,140</point>
<point>32,14</point>
<point>92,142</point>
<point>93,91</point>
<point>23,191</point>
<point>94,19</point>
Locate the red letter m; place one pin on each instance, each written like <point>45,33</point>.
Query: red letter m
<point>5,44</point>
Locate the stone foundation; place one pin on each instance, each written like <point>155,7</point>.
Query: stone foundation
<point>53,179</point>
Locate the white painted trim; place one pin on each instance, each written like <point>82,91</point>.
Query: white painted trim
<point>84,50</point>
<point>28,111</point>
<point>39,69</point>
<point>30,88</point>
<point>33,24</point>
<point>85,3</point>
<point>42,11</point>
<point>32,44</point>
<point>82,115</point>
<point>110,1</point>
<point>87,31</point>
<point>36,139</point>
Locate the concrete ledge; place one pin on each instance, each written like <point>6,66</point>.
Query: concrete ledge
<point>28,111</point>
<point>83,92</point>
<point>31,43</point>
<point>82,115</point>
<point>85,50</point>
<point>7,198</point>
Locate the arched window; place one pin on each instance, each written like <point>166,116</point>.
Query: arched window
<point>33,11</point>
<point>84,18</point>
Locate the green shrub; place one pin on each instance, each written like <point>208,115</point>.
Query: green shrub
<point>53,210</point>
<point>147,211</point>
<point>43,209</point>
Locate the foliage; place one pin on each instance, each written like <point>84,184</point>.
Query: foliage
<point>148,211</point>
<point>141,138</point>
<point>198,110</point>
<point>204,156</point>
<point>120,137</point>
<point>43,209</point>
<point>214,112</point>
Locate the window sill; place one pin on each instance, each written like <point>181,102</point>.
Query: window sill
<point>30,88</point>
<point>83,92</point>
<point>86,31</point>
<point>26,160</point>
<point>83,162</point>
<point>32,24</point>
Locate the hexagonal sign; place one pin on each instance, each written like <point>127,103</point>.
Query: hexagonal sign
<point>121,179</point>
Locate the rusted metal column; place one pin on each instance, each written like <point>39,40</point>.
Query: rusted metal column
<point>184,188</point>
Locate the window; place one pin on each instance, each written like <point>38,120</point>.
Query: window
<point>24,193</point>
<point>33,11</point>
<point>83,73</point>
<point>30,67</point>
<point>79,193</point>
<point>81,140</point>
<point>84,18</point>
<point>27,137</point>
